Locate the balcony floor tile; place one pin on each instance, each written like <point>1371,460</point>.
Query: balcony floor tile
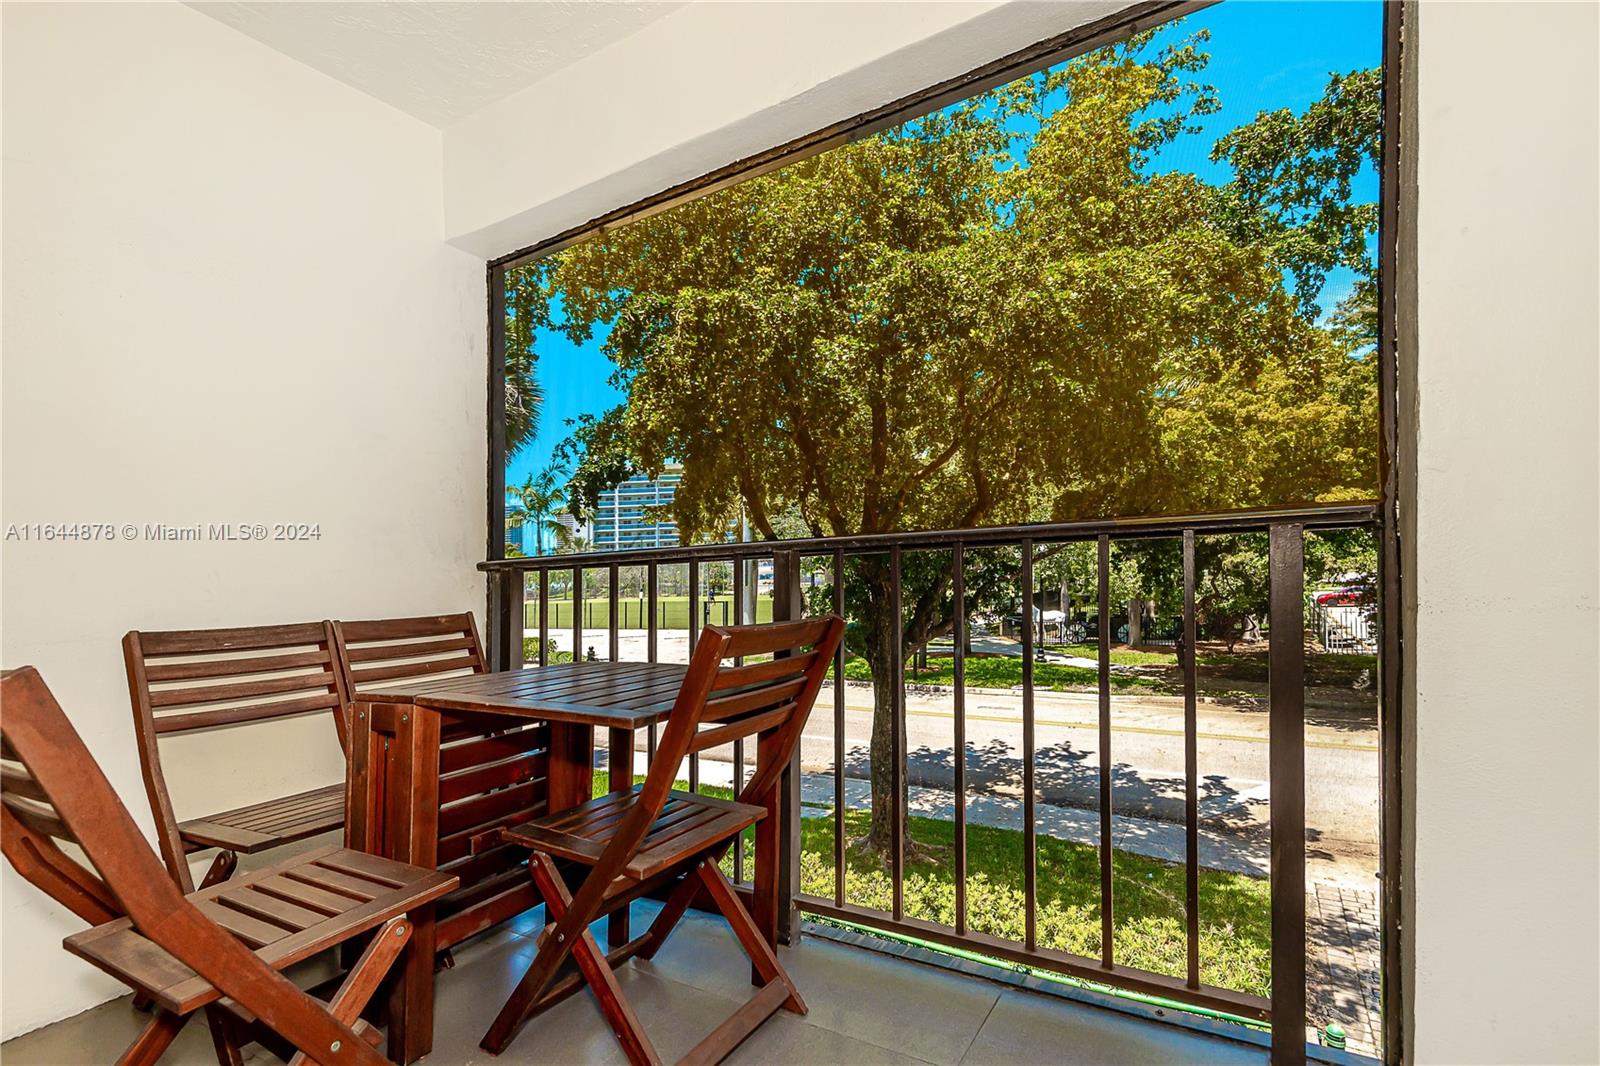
<point>865,1008</point>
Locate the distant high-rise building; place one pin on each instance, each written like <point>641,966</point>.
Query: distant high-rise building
<point>535,540</point>
<point>625,515</point>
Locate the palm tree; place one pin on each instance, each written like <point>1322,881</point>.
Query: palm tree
<point>537,501</point>
<point>570,541</point>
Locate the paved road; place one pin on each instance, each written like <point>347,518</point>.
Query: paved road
<point>1146,753</point>
<point>1342,774</point>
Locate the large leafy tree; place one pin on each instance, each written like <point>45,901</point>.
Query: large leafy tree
<point>996,313</point>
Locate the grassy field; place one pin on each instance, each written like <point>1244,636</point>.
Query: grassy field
<point>1160,674</point>
<point>1004,673</point>
<point>672,612</point>
<point>1235,913</point>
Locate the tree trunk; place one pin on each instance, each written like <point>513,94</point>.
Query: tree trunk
<point>882,631</point>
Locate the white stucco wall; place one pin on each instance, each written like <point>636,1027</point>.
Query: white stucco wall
<point>1504,915</point>
<point>226,299</point>
<point>708,85</point>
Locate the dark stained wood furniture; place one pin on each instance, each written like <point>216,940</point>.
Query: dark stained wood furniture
<point>533,751</point>
<point>208,678</point>
<point>493,768</point>
<point>415,796</point>
<point>652,837</point>
<point>220,949</point>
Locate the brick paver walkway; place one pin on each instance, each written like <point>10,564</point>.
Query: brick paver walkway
<point>1342,963</point>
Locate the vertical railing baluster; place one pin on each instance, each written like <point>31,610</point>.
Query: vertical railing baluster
<point>1286,737</point>
<point>788,605</point>
<point>897,859</point>
<point>577,614</point>
<point>1030,840</point>
<point>516,617</point>
<point>652,598</point>
<point>1106,868</point>
<point>838,735</point>
<point>496,608</point>
<point>544,618</point>
<point>737,569</point>
<point>1191,771</point>
<point>619,749</point>
<point>694,639</point>
<point>613,623</point>
<point>959,696</point>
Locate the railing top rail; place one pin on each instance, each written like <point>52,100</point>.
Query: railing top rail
<point>1324,516</point>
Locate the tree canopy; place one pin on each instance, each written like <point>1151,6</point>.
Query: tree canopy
<point>995,313</point>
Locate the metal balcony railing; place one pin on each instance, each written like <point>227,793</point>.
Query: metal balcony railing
<point>513,581</point>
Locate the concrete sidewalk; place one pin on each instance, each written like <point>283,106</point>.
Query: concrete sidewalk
<point>1237,853</point>
<point>1141,836</point>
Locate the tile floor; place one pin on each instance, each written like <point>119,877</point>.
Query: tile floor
<point>864,1008</point>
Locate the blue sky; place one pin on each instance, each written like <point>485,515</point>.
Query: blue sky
<point>1264,56</point>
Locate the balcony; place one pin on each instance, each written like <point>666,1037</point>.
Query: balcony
<point>1114,819</point>
<point>252,259</point>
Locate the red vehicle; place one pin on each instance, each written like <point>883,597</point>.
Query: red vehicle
<point>1349,596</point>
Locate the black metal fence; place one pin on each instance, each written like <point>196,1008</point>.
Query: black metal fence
<point>511,581</point>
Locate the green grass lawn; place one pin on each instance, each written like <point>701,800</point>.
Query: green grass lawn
<point>1235,911</point>
<point>997,672</point>
<point>1337,670</point>
<point>1119,656</point>
<point>672,612</point>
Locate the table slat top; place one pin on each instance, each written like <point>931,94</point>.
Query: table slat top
<point>626,695</point>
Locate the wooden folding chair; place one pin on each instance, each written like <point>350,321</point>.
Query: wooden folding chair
<point>205,678</point>
<point>188,952</point>
<point>652,837</point>
<point>490,772</point>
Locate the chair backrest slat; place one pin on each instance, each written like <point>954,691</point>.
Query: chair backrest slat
<point>753,698</point>
<point>739,728</point>
<point>17,780</point>
<point>39,817</point>
<point>407,649</point>
<point>378,653</point>
<point>185,680</point>
<point>770,698</point>
<point>255,712</point>
<point>244,638</point>
<point>730,677</point>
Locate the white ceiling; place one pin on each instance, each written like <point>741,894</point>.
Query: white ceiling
<point>438,61</point>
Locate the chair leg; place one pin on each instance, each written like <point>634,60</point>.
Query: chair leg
<point>762,957</point>
<point>525,997</point>
<point>367,974</point>
<point>411,1027</point>
<point>597,972</point>
<point>223,1041</point>
<point>592,964</point>
<point>671,912</point>
<point>154,1039</point>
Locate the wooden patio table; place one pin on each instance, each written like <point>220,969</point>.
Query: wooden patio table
<point>394,782</point>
